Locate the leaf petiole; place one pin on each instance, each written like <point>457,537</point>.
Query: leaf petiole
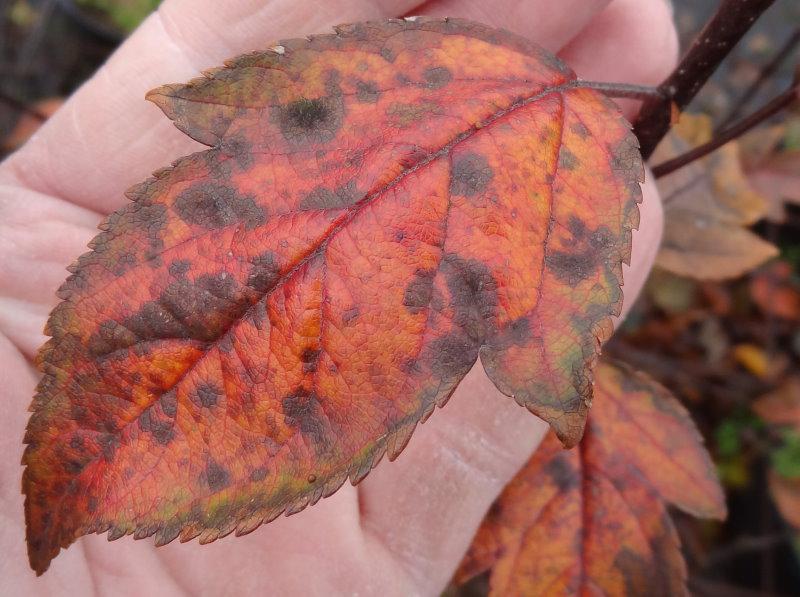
<point>624,90</point>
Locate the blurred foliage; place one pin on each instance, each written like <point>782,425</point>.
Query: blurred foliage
<point>786,458</point>
<point>125,14</point>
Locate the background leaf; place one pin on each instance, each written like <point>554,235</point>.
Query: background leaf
<point>707,206</point>
<point>594,519</point>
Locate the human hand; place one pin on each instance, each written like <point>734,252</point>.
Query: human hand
<point>404,529</point>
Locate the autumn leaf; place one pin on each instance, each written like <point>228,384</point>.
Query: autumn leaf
<point>771,159</point>
<point>781,407</point>
<point>707,206</point>
<point>785,492</point>
<point>267,318</point>
<point>594,520</point>
<point>776,291</point>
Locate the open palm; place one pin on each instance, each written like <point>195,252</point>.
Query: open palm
<point>405,528</point>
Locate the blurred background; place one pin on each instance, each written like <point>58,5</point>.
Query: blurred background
<point>719,322</point>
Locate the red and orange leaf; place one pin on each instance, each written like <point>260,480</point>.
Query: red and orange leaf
<point>267,318</point>
<point>593,521</point>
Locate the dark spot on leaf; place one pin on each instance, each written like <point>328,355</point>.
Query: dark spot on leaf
<point>199,310</point>
<point>301,410</point>
<point>216,476</point>
<point>258,474</point>
<point>257,315</point>
<point>225,343</point>
<point>323,198</point>
<point>452,356</point>
<point>367,92</point>
<point>350,314</point>
<point>470,175</point>
<point>388,55</point>
<point>108,444</point>
<point>307,113</point>
<point>572,267</point>
<point>124,262</point>
<point>215,206</point>
<point>590,252</point>
<point>150,421</point>
<point>577,227</point>
<point>516,333</point>
<point>579,129</point>
<point>207,395</point>
<point>109,337</point>
<point>312,478</point>
<point>311,120</point>
<point>74,466</point>
<point>179,267</point>
<point>310,359</point>
<point>76,442</point>
<point>473,298</point>
<point>562,474</point>
<point>437,77</point>
<point>419,291</point>
<point>169,403</point>
<point>264,272</point>
<point>144,215</point>
<point>221,285</point>
<point>473,294</point>
<point>91,505</point>
<point>239,148</point>
<point>566,159</point>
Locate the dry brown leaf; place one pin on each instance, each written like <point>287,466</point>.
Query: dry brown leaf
<point>773,165</point>
<point>781,406</point>
<point>775,292</point>
<point>786,494</point>
<point>707,206</point>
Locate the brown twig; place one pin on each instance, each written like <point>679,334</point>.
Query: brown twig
<point>723,31</point>
<point>773,107</point>
<point>746,544</point>
<point>765,74</point>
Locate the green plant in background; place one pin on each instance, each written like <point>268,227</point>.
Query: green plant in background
<point>786,458</point>
<point>124,14</point>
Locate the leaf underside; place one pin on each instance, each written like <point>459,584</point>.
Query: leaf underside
<point>379,207</point>
<point>594,520</point>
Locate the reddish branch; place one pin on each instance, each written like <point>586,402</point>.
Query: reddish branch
<point>773,107</point>
<point>766,73</point>
<point>728,25</point>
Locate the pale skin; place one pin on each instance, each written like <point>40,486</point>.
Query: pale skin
<point>405,528</point>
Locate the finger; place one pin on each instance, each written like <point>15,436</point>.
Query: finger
<point>549,24</point>
<point>106,137</point>
<point>426,507</point>
<point>627,43</point>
